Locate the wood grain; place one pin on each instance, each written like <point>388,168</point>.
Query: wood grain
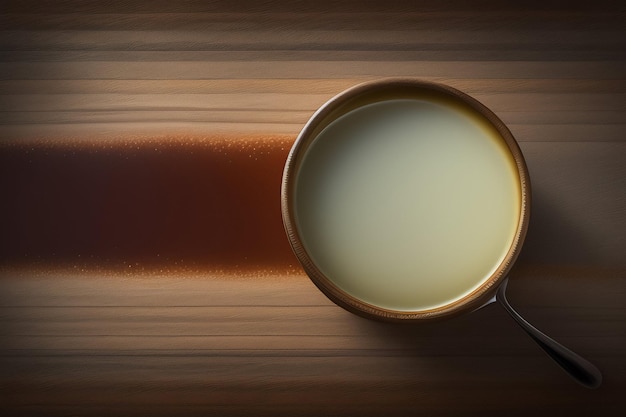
<point>197,338</point>
<point>207,343</point>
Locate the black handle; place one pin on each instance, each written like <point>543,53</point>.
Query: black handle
<point>579,368</point>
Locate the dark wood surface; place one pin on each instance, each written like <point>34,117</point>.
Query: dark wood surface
<point>182,298</point>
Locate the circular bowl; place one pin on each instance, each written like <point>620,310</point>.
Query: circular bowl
<point>361,120</point>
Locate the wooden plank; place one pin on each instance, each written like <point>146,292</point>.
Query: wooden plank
<point>286,53</point>
<point>18,126</point>
<point>585,334</point>
<point>41,134</point>
<point>300,86</point>
<point>204,116</point>
<point>302,40</point>
<point>278,327</point>
<point>505,102</point>
<point>184,102</point>
<point>251,6</point>
<point>49,287</point>
<point>289,385</point>
<point>501,19</point>
<point>573,125</point>
<point>185,70</point>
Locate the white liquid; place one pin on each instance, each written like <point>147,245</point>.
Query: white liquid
<point>408,204</point>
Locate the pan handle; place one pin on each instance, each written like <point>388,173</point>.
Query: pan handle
<point>580,369</point>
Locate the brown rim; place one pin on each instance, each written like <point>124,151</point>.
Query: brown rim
<point>379,91</point>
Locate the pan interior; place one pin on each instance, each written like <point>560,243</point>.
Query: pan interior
<point>407,204</point>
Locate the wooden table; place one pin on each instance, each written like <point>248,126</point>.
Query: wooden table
<point>144,268</point>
